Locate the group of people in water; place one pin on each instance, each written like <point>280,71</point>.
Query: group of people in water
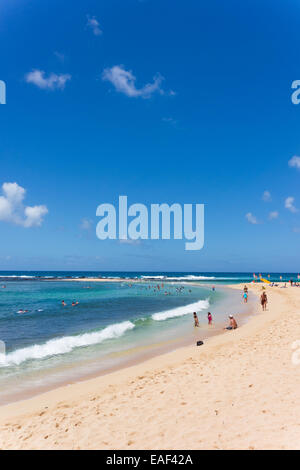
<point>73,303</point>
<point>196,319</point>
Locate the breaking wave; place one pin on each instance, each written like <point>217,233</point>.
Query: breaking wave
<point>65,344</point>
<point>180,311</point>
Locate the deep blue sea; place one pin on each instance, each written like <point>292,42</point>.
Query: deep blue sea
<point>48,343</point>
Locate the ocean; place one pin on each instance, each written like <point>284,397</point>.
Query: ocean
<point>113,324</point>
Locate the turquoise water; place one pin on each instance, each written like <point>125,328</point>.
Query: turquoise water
<point>48,343</point>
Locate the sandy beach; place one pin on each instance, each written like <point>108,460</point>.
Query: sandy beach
<point>238,391</point>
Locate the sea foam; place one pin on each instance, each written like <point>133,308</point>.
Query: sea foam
<point>180,311</point>
<point>65,344</point>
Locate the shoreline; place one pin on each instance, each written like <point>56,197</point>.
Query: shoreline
<point>223,371</point>
<point>136,354</point>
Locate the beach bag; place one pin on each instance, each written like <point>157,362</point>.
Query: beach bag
<point>199,343</point>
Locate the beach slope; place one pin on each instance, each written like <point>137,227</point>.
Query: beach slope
<point>238,391</point>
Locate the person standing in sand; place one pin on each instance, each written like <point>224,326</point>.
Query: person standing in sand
<point>264,301</point>
<point>196,321</point>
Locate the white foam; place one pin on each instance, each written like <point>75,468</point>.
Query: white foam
<point>180,311</point>
<point>66,344</point>
<point>188,277</point>
<point>191,278</point>
<point>153,277</point>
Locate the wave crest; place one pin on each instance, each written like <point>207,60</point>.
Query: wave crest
<point>180,311</point>
<point>66,344</point>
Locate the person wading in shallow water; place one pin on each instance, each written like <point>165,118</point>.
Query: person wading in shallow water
<point>196,321</point>
<point>245,296</point>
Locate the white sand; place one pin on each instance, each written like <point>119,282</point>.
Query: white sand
<point>238,391</point>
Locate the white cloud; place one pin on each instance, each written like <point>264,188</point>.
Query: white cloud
<point>251,218</point>
<point>12,208</point>
<point>124,82</point>
<point>289,204</point>
<point>273,215</point>
<point>294,162</point>
<point>52,82</point>
<point>94,24</point>
<point>86,224</point>
<point>34,216</point>
<point>266,196</point>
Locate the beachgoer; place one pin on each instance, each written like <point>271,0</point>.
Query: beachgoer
<point>209,317</point>
<point>232,324</point>
<point>196,321</point>
<point>63,303</point>
<point>264,301</point>
<point>245,295</point>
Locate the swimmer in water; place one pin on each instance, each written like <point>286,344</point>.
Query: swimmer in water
<point>63,303</point>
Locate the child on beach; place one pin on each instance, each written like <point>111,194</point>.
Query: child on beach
<point>245,295</point>
<point>209,317</point>
<point>196,321</point>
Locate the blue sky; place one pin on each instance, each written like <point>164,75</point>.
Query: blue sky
<point>209,119</point>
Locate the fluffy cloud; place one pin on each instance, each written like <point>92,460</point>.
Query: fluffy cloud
<point>52,82</point>
<point>94,24</point>
<point>12,208</point>
<point>273,215</point>
<point>266,196</point>
<point>125,82</point>
<point>289,204</point>
<point>251,218</point>
<point>294,162</point>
